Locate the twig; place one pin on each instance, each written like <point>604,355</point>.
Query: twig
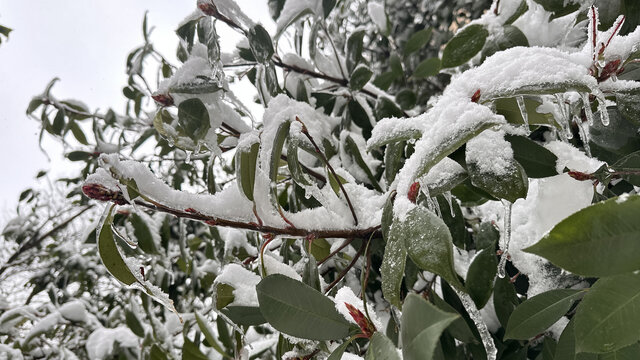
<point>333,172</point>
<point>344,245</point>
<point>36,240</point>
<point>346,270</point>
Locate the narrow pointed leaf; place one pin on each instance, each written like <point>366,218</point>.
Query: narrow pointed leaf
<point>538,313</point>
<point>110,254</point>
<point>480,276</point>
<point>246,169</point>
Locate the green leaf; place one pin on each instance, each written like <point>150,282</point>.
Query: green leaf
<point>393,160</point>
<point>417,41</point>
<point>339,351</point>
<point>208,333</point>
<point>356,113</point>
<point>134,323</point>
<point>79,156</point>
<point>511,37</point>
<point>537,161</point>
<point>631,165</point>
<point>406,98</point>
<point>244,315</point>
<point>260,43</point>
<point>464,45</point>
<point>422,324</point>
<point>480,276</point>
<point>566,348</point>
<point>157,353</point>
<point>310,275</point>
<point>193,117</point>
<point>522,8</point>
<point>360,77</point>
<point>191,351</point>
<point>510,186</point>
<point>394,259</point>
<point>505,299</point>
<point>352,148</point>
<point>381,348</point>
<point>110,254</point>
<point>600,240</point>
<point>558,7</point>
<point>459,328</point>
<point>627,353</point>
<point>246,169</point>
<point>224,295</point>
<point>58,122</point>
<point>612,142</point>
<point>278,142</point>
<point>299,310</point>
<point>385,108</point>
<point>354,50</point>
<point>508,107</point>
<point>143,234</point>
<point>77,132</point>
<point>428,67</point>
<point>35,102</point>
<point>327,6</point>
<point>608,318</point>
<point>428,243</point>
<point>538,313</point>
<point>5,31</point>
<point>295,169</point>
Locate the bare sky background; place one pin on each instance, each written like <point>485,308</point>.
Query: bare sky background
<point>85,44</point>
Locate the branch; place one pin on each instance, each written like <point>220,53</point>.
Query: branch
<point>288,231</point>
<point>36,240</point>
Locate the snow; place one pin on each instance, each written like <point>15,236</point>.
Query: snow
<point>490,153</point>
<point>244,283</point>
<point>346,295</point>
<point>46,324</point>
<point>273,265</point>
<point>378,16</point>
<point>293,9</point>
<point>444,172</point>
<point>101,342</point>
<point>73,311</point>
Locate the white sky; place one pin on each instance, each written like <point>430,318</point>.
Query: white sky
<point>85,44</point>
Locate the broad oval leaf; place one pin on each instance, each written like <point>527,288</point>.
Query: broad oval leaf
<point>537,161</point>
<point>428,243</point>
<point>608,318</point>
<point>299,310</point>
<point>566,348</point>
<point>110,254</point>
<point>193,117</point>
<point>381,348</point>
<point>511,186</point>
<point>426,68</point>
<point>360,77</point>
<point>600,240</point>
<point>260,43</point>
<point>464,45</point>
<point>354,50</point>
<point>480,276</point>
<point>244,315</point>
<point>417,40</point>
<point>535,315</point>
<point>422,324</point>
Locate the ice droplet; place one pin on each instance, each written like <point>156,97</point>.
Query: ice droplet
<point>523,112</point>
<point>602,110</point>
<point>587,108</point>
<point>449,198</point>
<point>474,314</point>
<point>505,239</point>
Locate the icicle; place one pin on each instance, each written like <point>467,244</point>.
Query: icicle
<point>566,134</point>
<point>449,198</point>
<point>523,112</point>
<point>436,205</point>
<point>584,135</point>
<point>505,239</point>
<point>602,110</point>
<point>587,108</point>
<point>472,310</point>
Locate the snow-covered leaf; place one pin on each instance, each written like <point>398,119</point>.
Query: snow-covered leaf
<point>428,242</point>
<point>360,77</point>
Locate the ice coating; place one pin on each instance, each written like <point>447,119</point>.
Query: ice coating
<point>490,153</point>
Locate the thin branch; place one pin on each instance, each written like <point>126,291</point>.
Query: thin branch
<point>326,161</point>
<point>344,245</point>
<point>346,270</point>
<point>294,232</point>
<point>36,240</point>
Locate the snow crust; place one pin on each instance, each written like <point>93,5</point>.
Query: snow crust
<point>244,283</point>
<point>101,342</point>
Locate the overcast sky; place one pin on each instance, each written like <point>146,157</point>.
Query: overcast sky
<point>85,44</point>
